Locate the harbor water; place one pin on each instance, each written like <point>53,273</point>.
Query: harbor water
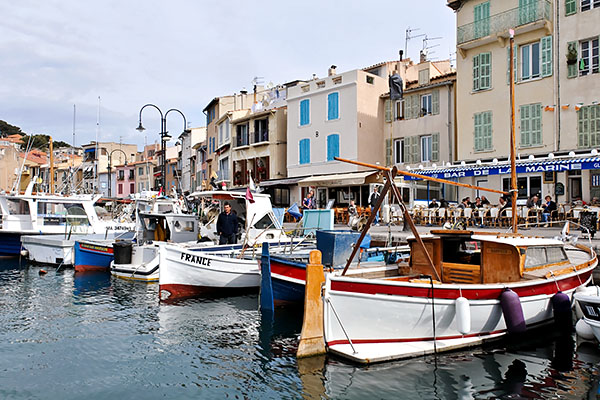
<point>90,336</point>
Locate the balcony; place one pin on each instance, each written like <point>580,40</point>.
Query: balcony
<point>522,19</point>
<point>241,140</point>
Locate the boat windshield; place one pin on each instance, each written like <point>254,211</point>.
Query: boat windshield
<point>57,213</point>
<point>538,256</point>
<point>17,207</point>
<point>461,250</point>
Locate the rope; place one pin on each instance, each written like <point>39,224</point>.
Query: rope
<point>341,326</point>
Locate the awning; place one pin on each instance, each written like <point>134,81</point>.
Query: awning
<point>352,178</point>
<point>285,181</point>
<point>529,166</point>
<point>90,150</point>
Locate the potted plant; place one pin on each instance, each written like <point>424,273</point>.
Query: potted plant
<point>571,54</point>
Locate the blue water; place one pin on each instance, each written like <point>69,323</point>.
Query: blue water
<point>72,336</point>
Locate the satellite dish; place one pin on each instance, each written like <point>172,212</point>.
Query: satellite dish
<point>270,85</point>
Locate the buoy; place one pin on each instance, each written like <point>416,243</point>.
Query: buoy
<point>584,331</point>
<point>513,312</point>
<point>463,315</point>
<point>43,272</point>
<point>563,318</point>
<point>24,253</point>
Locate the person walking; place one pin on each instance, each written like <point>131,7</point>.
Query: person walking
<point>373,198</point>
<point>227,225</point>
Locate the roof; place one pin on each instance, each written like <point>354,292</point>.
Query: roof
<point>455,4</point>
<point>451,76</point>
<point>211,103</point>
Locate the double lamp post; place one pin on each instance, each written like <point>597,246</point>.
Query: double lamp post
<point>164,137</point>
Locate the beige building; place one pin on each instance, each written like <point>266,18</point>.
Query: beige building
<point>95,164</point>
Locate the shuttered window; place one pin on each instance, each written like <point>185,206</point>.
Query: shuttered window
<point>546,56</point>
<point>304,150</point>
<point>482,71</point>
<point>531,125</point>
<point>508,63</point>
<point>481,18</point>
<point>570,7</point>
<point>333,146</point>
<point>333,110</point>
<point>435,102</point>
<point>527,11</point>
<point>304,112</point>
<point>412,153</point>
<point>588,126</point>
<point>388,110</point>
<point>435,147</point>
<point>572,59</point>
<point>483,131</point>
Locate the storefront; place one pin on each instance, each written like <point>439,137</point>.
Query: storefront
<point>339,189</point>
<point>566,179</point>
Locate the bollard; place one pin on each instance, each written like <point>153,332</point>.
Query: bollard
<point>312,342</point>
<point>266,286</point>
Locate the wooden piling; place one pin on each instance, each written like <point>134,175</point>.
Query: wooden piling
<point>312,341</point>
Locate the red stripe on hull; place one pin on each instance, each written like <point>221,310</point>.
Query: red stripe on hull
<point>407,289</point>
<point>173,291</point>
<point>85,268</point>
<point>407,340</point>
<point>288,270</point>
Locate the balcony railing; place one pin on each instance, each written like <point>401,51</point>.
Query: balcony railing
<point>538,11</point>
<point>242,140</point>
<point>260,136</point>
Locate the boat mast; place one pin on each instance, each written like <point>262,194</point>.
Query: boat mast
<point>51,146</point>
<point>513,168</point>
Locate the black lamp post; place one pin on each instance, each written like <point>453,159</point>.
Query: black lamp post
<point>164,137</point>
<point>110,167</point>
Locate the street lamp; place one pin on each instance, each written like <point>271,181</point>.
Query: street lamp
<point>164,136</point>
<point>110,166</point>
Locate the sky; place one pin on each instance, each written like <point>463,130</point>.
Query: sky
<point>109,58</point>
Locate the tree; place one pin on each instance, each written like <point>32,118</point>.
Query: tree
<point>7,129</point>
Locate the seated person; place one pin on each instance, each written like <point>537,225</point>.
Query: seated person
<point>534,201</point>
<point>549,206</point>
<point>434,204</point>
<point>485,201</point>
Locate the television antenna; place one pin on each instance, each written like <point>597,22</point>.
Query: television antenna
<point>408,36</point>
<point>426,46</point>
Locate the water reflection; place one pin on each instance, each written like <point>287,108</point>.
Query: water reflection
<point>90,283</point>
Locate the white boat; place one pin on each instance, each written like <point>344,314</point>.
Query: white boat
<point>407,315</point>
<point>188,271</point>
<point>588,302</point>
<point>45,214</point>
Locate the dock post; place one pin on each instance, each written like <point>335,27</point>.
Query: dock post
<point>266,287</point>
<point>312,341</point>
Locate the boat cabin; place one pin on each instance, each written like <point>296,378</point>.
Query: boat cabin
<point>465,257</point>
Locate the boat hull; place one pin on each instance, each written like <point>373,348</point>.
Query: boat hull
<point>90,256</point>
<point>10,244</point>
<point>190,273</point>
<point>288,280</point>
<point>590,307</point>
<point>387,320</point>
<point>144,266</point>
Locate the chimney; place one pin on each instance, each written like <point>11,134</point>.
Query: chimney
<point>331,70</point>
<point>423,56</point>
<point>401,53</point>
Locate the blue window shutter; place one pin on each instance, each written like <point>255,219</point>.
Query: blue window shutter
<point>304,151</point>
<point>305,112</point>
<point>333,106</point>
<point>333,146</point>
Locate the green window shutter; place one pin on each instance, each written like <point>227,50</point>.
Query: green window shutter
<point>595,126</point>
<point>406,151</point>
<point>414,149</point>
<point>546,55</point>
<point>485,70</point>
<point>583,127</point>
<point>435,102</point>
<point>409,107</point>
<point>414,100</point>
<point>507,65</point>
<point>525,127</point>
<point>536,123</point>
<point>572,68</point>
<point>435,147</point>
<point>476,72</point>
<point>388,110</point>
<point>388,151</point>
<point>477,142</point>
<point>487,130</point>
<point>570,7</point>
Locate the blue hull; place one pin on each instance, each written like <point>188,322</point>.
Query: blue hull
<point>287,293</point>
<point>93,257</point>
<point>10,244</point>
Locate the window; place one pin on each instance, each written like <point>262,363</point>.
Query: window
<point>120,188</point>
<point>530,61</point>
<point>483,131</point>
<point>304,112</point>
<point>398,151</point>
<point>430,147</point>
<point>333,146</point>
<point>242,135</point>
<point>132,188</point>
<point>261,130</point>
<point>281,197</point>
<point>589,4</point>
<point>399,110</point>
<point>588,126</point>
<point>304,151</point>
<point>570,7</point>
<point>531,125</point>
<point>333,110</point>
<point>424,76</point>
<point>426,104</point>
<point>481,18</point>
<point>589,57</point>
<point>370,80</point>
<point>482,71</point>
<point>224,132</point>
<point>527,11</point>
<point>527,186</point>
<point>121,175</point>
<point>224,168</point>
<point>141,171</point>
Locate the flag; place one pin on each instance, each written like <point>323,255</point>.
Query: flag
<point>249,196</point>
<point>294,211</point>
<point>252,185</point>
<point>395,82</point>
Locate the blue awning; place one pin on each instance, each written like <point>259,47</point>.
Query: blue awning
<point>556,165</point>
<point>90,150</point>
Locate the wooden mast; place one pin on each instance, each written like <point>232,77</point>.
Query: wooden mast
<point>513,167</point>
<point>50,145</point>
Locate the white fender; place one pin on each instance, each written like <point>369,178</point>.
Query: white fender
<point>463,315</point>
<point>584,331</point>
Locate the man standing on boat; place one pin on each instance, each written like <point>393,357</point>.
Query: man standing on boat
<point>372,202</point>
<point>227,225</point>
